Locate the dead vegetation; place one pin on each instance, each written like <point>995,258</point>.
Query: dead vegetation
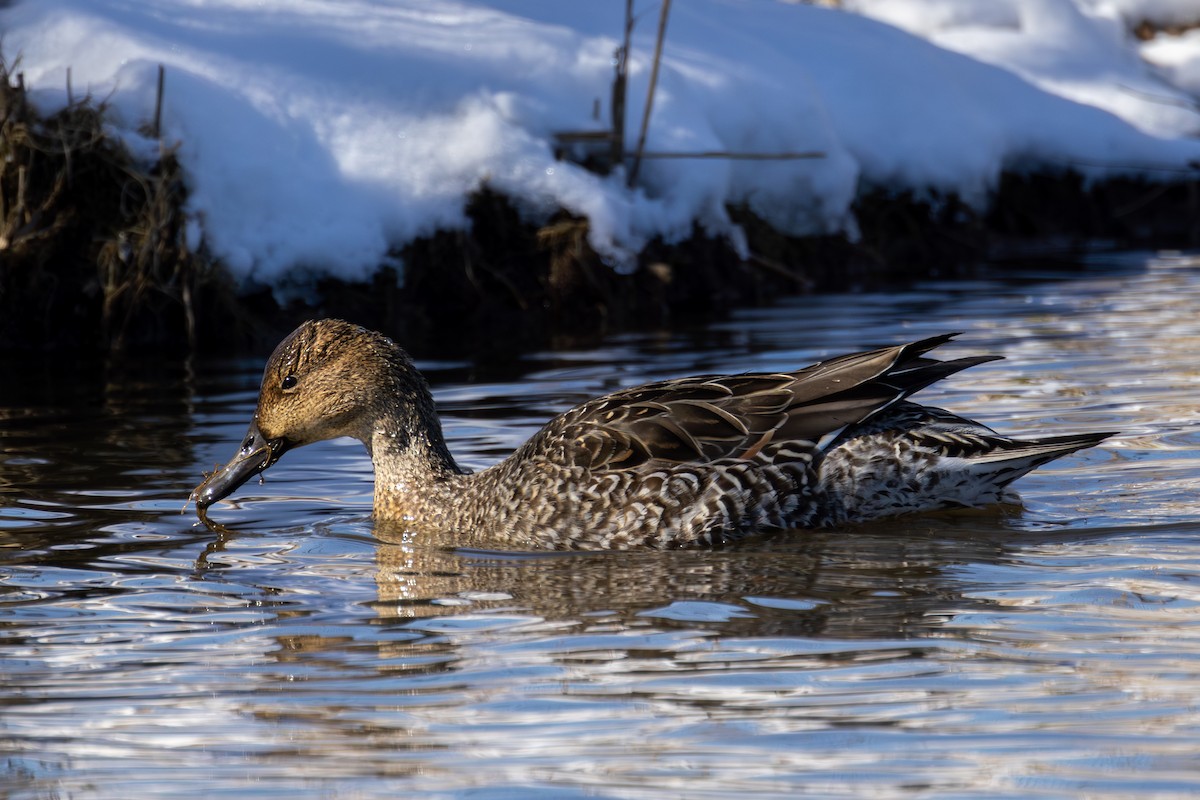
<point>93,246</point>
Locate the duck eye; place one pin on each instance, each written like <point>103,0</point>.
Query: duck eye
<point>289,382</point>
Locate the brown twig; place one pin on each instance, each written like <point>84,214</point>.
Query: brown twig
<point>658,47</point>
<point>158,104</point>
<point>735,156</point>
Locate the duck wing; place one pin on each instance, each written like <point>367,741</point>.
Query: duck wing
<point>707,417</point>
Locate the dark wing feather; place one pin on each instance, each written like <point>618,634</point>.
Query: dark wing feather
<point>699,419</point>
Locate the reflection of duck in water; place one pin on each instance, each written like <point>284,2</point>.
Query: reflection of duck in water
<point>690,461</point>
<point>889,581</point>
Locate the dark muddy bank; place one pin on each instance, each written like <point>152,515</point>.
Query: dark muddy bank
<point>96,255</point>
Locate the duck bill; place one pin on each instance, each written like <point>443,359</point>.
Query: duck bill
<point>256,454</point>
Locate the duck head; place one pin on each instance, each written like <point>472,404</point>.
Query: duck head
<point>327,379</point>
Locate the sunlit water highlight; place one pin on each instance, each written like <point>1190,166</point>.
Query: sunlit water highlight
<point>1046,652</point>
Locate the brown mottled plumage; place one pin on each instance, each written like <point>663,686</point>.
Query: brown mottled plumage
<point>690,461</point>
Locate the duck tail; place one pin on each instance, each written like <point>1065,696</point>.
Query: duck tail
<point>911,370</point>
<point>910,377</point>
<point>1023,456</point>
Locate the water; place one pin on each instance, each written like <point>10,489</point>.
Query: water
<point>1044,652</point>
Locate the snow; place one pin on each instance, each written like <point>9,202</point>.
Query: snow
<point>1081,50</point>
<point>317,135</point>
<point>1178,57</point>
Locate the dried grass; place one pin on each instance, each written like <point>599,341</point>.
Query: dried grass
<point>92,243</point>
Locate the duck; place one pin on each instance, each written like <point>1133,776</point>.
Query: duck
<point>697,461</point>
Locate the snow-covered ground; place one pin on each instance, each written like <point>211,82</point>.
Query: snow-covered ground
<point>316,134</point>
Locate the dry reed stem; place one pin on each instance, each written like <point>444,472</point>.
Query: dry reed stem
<point>77,211</point>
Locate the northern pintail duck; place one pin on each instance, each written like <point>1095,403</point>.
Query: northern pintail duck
<point>691,461</point>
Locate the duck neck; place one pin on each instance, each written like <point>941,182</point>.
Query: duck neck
<point>411,457</point>
<point>412,471</point>
<point>413,466</point>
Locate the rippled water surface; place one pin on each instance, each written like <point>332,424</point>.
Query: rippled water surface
<point>1049,651</point>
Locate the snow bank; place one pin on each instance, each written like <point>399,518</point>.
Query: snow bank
<point>318,133</point>
<point>1081,50</point>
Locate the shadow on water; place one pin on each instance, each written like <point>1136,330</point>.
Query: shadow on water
<point>89,447</point>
